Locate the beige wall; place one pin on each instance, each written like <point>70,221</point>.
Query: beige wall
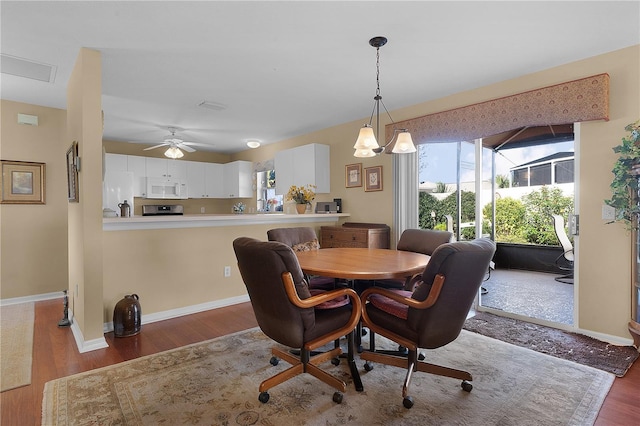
<point>33,246</point>
<point>84,125</point>
<point>604,250</point>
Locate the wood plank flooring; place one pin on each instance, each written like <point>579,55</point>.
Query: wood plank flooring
<point>55,355</point>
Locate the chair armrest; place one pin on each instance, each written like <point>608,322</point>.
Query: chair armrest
<point>434,293</point>
<point>312,301</point>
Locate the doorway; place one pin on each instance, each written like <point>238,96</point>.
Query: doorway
<point>526,182</point>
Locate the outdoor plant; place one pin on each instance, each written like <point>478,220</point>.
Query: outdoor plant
<point>625,171</point>
<point>301,194</point>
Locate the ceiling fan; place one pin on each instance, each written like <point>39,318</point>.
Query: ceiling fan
<point>174,144</point>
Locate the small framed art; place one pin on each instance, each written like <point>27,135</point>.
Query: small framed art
<point>23,182</point>
<point>373,179</point>
<point>72,173</point>
<point>353,175</point>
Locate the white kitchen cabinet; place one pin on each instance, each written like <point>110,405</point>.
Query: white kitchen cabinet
<point>163,167</point>
<point>303,165</point>
<point>115,163</point>
<point>205,180</point>
<point>138,166</point>
<point>237,179</point>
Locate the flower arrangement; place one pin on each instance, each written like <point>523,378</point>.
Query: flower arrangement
<point>272,201</point>
<point>301,194</point>
<point>238,208</point>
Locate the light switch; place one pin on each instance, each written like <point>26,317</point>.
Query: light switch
<point>608,212</point>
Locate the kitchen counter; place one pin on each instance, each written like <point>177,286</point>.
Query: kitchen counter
<point>214,220</point>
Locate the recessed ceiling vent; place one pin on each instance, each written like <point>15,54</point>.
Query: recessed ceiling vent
<point>26,68</point>
<point>216,106</point>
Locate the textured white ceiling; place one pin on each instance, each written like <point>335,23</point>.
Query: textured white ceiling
<point>288,68</point>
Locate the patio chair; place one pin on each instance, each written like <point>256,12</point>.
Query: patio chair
<point>565,260</point>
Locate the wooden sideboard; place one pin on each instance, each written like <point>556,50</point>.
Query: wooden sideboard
<point>354,234</point>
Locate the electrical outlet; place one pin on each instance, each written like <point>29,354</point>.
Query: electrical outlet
<point>77,290</point>
<point>227,271</point>
<point>201,209</point>
<point>608,212</point>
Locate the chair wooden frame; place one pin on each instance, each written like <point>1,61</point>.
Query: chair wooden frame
<point>410,361</point>
<point>307,363</point>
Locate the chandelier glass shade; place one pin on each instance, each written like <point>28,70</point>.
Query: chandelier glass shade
<point>367,144</point>
<point>173,152</point>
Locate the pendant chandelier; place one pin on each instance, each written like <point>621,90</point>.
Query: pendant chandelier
<point>367,145</point>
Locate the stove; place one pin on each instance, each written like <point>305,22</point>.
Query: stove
<point>162,210</point>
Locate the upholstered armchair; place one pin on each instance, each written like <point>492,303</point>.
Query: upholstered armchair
<point>302,238</point>
<point>285,311</point>
<point>423,241</point>
<point>433,315</point>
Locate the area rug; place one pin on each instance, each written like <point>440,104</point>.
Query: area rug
<point>16,345</point>
<point>562,344</point>
<point>216,383</point>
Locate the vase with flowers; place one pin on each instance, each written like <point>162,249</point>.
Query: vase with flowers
<point>302,196</point>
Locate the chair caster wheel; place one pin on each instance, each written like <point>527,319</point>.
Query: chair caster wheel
<point>421,357</point>
<point>263,397</point>
<point>368,366</point>
<point>273,361</point>
<point>403,351</point>
<point>363,332</point>
<point>335,361</point>
<point>337,397</point>
<point>407,402</point>
<point>466,386</point>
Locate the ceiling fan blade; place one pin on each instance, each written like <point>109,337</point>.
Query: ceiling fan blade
<point>186,147</point>
<point>156,146</point>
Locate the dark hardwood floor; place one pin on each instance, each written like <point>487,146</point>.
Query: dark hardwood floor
<point>55,355</point>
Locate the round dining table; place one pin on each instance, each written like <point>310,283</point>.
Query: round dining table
<point>361,264</point>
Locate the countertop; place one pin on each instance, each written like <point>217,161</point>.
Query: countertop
<point>210,220</point>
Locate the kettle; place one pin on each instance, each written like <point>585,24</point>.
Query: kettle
<point>125,209</point>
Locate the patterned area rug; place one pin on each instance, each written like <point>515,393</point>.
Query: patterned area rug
<point>16,345</point>
<point>562,344</point>
<point>216,383</point>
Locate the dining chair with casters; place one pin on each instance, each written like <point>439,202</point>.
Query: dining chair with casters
<point>285,311</point>
<point>435,312</point>
<point>423,241</point>
<point>302,238</point>
<point>565,261</point>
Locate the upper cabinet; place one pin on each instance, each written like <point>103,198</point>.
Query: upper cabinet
<point>128,163</point>
<point>237,179</point>
<point>164,167</point>
<point>303,165</point>
<point>205,180</point>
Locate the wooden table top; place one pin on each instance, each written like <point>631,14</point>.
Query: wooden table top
<point>362,263</point>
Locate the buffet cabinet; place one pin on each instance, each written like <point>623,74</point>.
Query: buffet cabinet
<point>354,234</point>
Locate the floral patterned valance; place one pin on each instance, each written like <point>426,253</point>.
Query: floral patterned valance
<point>579,100</point>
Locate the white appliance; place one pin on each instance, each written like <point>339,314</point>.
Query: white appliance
<point>116,188</point>
<point>166,188</point>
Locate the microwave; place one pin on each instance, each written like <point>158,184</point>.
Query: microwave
<point>166,188</point>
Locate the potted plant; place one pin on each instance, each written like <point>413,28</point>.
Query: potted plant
<point>302,196</point>
<point>624,187</point>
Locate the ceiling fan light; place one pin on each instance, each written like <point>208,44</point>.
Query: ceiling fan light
<point>173,152</point>
<point>366,139</point>
<point>404,144</point>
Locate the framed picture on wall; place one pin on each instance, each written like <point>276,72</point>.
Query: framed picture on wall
<point>373,179</point>
<point>353,175</point>
<point>72,173</point>
<point>23,182</point>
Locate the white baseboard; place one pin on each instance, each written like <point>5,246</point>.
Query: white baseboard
<point>187,310</point>
<point>85,345</point>
<point>35,298</point>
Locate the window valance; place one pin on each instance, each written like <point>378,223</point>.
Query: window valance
<point>585,99</point>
